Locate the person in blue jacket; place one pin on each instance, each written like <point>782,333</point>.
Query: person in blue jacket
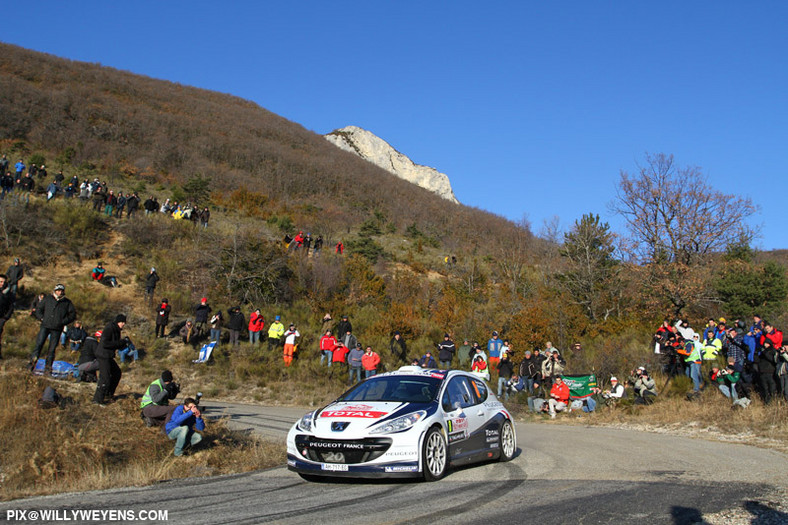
<point>182,423</point>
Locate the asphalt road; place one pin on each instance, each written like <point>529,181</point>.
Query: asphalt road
<point>562,474</point>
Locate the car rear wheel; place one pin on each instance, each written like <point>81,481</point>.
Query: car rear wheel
<point>506,441</point>
<point>435,455</point>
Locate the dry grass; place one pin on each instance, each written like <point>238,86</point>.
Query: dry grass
<point>710,417</point>
<point>84,446</point>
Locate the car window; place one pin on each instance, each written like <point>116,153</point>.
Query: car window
<point>459,395</point>
<point>479,390</point>
<point>404,389</point>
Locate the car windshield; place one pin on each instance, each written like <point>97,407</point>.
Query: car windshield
<point>403,389</point>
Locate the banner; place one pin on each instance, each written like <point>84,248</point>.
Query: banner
<point>580,386</point>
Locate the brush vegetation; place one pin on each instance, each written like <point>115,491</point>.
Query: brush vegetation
<point>263,177</point>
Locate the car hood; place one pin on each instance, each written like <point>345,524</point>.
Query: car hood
<point>355,416</point>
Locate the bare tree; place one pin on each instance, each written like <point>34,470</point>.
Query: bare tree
<point>674,215</point>
<point>676,219</point>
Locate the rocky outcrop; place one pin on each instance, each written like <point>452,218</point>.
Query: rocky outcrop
<point>379,152</point>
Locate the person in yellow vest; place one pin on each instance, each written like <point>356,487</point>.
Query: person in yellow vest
<point>156,400</point>
<point>290,344</point>
<point>275,332</point>
<point>694,361</point>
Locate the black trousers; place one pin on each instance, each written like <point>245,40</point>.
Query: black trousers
<point>54,338</point>
<point>109,377</point>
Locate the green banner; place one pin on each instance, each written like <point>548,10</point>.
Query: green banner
<point>580,386</point>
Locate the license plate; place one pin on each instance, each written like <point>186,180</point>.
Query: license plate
<point>334,467</point>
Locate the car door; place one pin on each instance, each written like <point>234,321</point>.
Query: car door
<point>464,417</point>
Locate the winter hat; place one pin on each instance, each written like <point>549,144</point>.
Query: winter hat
<point>166,376</point>
<point>120,318</point>
<point>60,287</point>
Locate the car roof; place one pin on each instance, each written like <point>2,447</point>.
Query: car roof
<point>417,371</point>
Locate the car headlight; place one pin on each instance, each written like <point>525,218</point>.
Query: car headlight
<point>399,424</point>
<point>306,422</point>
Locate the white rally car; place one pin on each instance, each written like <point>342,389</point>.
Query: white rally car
<point>409,423</point>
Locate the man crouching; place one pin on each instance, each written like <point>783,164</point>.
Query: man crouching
<point>182,423</point>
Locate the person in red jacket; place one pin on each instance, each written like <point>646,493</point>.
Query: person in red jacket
<point>327,344</point>
<point>772,334</point>
<point>256,325</point>
<point>370,361</point>
<point>339,358</point>
<point>559,396</point>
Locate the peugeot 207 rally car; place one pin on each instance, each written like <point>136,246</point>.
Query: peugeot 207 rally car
<point>409,423</point>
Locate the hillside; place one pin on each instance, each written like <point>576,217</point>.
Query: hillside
<point>92,118</point>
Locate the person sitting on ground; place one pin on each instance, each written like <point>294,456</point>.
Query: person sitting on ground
<point>88,364</point>
<point>186,332</point>
<point>645,386</point>
<point>76,335</point>
<point>129,350</point>
<point>726,379</point>
<point>615,393</point>
<point>155,402</point>
<point>181,425</point>
<point>515,385</point>
<point>427,361</point>
<point>98,272</point>
<point>559,396</point>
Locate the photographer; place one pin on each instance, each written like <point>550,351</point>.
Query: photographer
<point>726,379</point>
<point>552,366</point>
<point>155,403</point>
<point>645,387</point>
<point>782,370</point>
<point>615,393</point>
<point>514,386</point>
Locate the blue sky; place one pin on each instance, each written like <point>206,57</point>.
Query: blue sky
<point>531,108</point>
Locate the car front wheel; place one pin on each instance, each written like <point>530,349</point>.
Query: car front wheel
<point>507,443</point>
<point>435,455</point>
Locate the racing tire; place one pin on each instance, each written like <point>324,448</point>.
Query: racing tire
<point>435,455</point>
<point>506,442</point>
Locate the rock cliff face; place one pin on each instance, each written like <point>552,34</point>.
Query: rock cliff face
<point>379,152</point>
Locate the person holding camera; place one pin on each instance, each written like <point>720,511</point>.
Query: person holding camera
<point>726,379</point>
<point>616,390</point>
<point>181,425</point>
<point>645,387</point>
<point>782,369</point>
<point>552,366</point>
<point>156,400</point>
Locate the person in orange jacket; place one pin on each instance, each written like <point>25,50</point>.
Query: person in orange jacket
<point>290,344</point>
<point>370,362</point>
<point>559,396</point>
